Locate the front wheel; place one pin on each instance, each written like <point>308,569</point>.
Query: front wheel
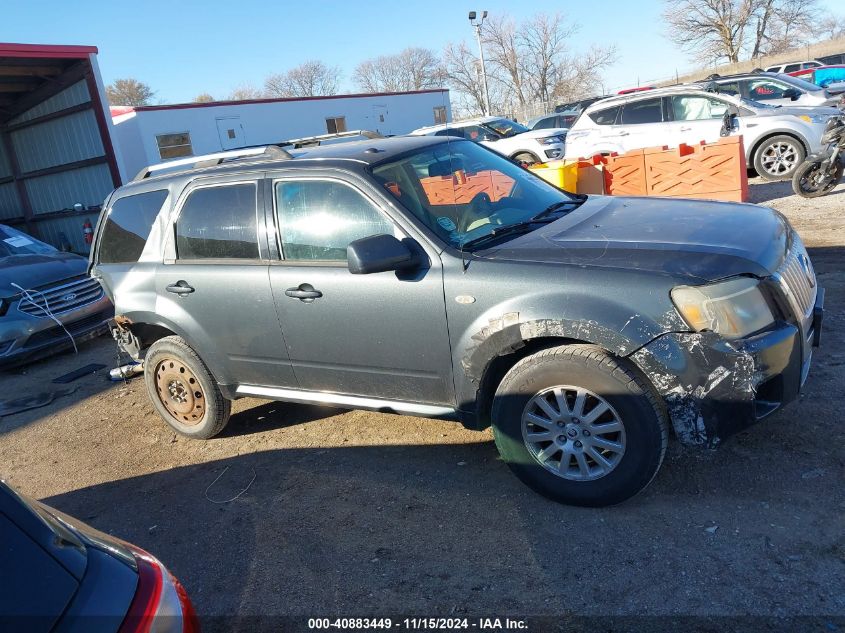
<point>810,181</point>
<point>778,157</point>
<point>578,426</point>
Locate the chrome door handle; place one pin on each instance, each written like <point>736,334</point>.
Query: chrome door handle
<point>180,288</point>
<point>685,129</point>
<point>304,292</point>
<point>624,133</point>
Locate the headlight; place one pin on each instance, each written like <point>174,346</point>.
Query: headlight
<point>550,140</point>
<point>814,118</point>
<point>732,308</point>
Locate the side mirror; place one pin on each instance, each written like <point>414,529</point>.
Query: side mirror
<point>378,254</point>
<point>730,123</point>
<point>792,93</point>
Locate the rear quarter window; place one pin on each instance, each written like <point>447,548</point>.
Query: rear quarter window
<point>127,226</point>
<point>605,117</point>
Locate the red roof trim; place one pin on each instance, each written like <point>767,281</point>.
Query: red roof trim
<point>46,50</point>
<point>212,104</point>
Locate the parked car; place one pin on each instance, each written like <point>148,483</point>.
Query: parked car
<point>628,91</point>
<point>830,77</point>
<point>773,89</point>
<point>62,575</point>
<point>793,66</point>
<point>506,137</point>
<point>776,140</point>
<point>432,276</point>
<point>560,120</point>
<point>578,106</point>
<point>46,298</point>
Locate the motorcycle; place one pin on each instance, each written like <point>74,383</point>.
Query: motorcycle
<point>822,171</point>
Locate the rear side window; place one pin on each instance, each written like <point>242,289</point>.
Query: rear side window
<point>545,124</point>
<point>605,117</point>
<point>791,68</point>
<point>218,223</point>
<point>646,111</point>
<point>127,226</point>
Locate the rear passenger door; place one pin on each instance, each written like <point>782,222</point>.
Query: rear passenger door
<point>215,282</point>
<point>640,124</point>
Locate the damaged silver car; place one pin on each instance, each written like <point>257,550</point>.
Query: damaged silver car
<point>433,277</point>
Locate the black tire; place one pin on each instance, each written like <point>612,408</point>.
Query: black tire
<point>526,158</point>
<point>171,363</point>
<point>800,187</point>
<point>762,155</point>
<point>633,400</point>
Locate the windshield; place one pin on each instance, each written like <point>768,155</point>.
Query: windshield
<point>463,191</point>
<point>506,127</point>
<point>13,242</point>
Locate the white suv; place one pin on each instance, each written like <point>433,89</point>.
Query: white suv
<point>506,137</point>
<point>776,139</point>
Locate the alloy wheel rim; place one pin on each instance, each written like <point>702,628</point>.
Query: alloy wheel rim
<point>779,159</point>
<point>179,391</point>
<point>573,433</point>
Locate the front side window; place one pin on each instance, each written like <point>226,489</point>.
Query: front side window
<point>336,124</point>
<point>127,226</point>
<point>506,127</point>
<point>545,124</point>
<point>766,90</point>
<point>646,111</point>
<point>728,88</point>
<point>605,117</point>
<point>174,145</point>
<point>792,68</point>
<point>696,108</point>
<point>477,133</point>
<point>218,222</point>
<point>319,218</point>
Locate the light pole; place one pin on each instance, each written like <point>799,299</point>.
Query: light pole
<point>477,24</point>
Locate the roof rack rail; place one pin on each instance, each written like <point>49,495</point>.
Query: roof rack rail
<point>307,141</point>
<point>209,160</point>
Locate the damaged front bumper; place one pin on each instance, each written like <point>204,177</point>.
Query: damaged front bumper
<point>714,387</point>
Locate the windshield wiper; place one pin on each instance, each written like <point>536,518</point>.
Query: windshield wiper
<point>544,217</point>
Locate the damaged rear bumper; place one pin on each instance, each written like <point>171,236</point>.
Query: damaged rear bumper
<point>714,388</point>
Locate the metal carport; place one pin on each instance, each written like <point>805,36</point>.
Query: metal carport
<point>55,143</point>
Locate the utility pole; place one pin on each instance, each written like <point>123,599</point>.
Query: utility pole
<point>477,24</point>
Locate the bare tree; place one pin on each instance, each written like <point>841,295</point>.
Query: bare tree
<point>129,92</point>
<point>310,79</point>
<point>246,91</point>
<point>411,69</point>
<point>831,27</point>
<point>463,73</point>
<point>730,30</point>
<point>502,49</point>
<point>203,98</point>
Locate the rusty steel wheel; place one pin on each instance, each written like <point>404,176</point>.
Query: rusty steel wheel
<point>179,391</point>
<point>183,390</point>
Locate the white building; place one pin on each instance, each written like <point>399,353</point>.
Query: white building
<point>149,134</point>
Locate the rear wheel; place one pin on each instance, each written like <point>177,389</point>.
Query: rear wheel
<point>183,391</point>
<point>579,427</point>
<point>778,157</point>
<point>810,182</point>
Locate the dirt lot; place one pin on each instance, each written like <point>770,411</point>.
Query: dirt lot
<point>364,513</point>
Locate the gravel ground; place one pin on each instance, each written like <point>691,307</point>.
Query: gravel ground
<point>358,513</point>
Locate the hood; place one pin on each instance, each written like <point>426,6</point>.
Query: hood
<point>33,271</point>
<point>555,131</point>
<point>700,240</point>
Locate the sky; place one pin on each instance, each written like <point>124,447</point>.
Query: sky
<point>182,48</point>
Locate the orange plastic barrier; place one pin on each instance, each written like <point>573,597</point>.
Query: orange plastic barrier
<point>461,188</point>
<point>625,175</point>
<point>715,171</point>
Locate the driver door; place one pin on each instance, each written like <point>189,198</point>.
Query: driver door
<point>695,118</point>
<point>381,335</point>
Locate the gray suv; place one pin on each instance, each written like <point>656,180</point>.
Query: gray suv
<point>431,276</point>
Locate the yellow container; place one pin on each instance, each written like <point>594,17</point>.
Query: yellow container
<point>561,173</point>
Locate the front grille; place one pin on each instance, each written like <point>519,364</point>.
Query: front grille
<point>797,279</point>
<point>76,327</point>
<point>62,297</point>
